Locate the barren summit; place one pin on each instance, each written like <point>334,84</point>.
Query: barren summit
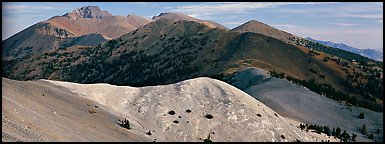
<point>234,115</point>
<point>262,28</point>
<point>91,19</point>
<point>179,17</point>
<point>88,12</point>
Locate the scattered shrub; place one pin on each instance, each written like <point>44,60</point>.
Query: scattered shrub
<point>302,126</point>
<point>209,116</point>
<point>354,136</point>
<point>171,112</point>
<point>125,124</point>
<point>322,76</point>
<point>313,70</point>
<point>361,116</point>
<point>371,136</point>
<point>325,59</point>
<point>364,131</point>
<point>208,139</point>
<point>149,133</point>
<point>338,132</point>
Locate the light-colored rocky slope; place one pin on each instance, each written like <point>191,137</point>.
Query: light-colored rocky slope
<point>41,111</point>
<point>298,103</point>
<point>91,19</point>
<point>63,113</point>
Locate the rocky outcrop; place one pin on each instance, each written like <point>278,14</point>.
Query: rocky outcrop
<point>49,29</point>
<point>50,34</point>
<point>87,12</point>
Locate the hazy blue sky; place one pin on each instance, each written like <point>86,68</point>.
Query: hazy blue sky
<point>357,24</point>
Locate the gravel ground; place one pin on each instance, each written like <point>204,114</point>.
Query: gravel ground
<point>298,103</point>
<point>39,111</point>
<point>47,110</point>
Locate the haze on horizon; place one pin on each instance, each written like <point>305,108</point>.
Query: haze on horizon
<point>358,24</point>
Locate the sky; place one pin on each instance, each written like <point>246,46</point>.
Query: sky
<point>357,24</point>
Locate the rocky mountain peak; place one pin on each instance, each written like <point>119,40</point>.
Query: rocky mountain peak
<point>264,29</point>
<point>88,12</point>
<point>48,29</point>
<point>161,14</point>
<point>175,16</point>
<point>252,21</point>
<point>255,22</point>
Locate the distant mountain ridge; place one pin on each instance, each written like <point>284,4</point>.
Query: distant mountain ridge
<point>57,31</point>
<point>179,17</point>
<point>174,47</point>
<point>87,12</point>
<point>264,29</point>
<point>369,53</point>
<point>90,19</point>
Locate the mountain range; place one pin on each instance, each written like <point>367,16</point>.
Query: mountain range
<point>66,30</point>
<point>174,47</point>
<point>171,51</point>
<point>370,53</point>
